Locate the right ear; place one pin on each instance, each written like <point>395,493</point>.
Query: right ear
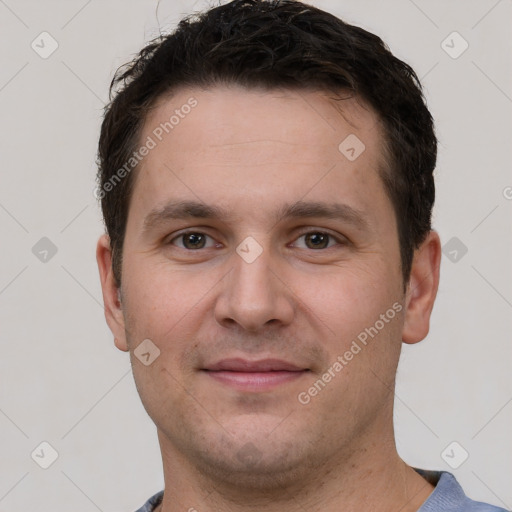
<point>111,293</point>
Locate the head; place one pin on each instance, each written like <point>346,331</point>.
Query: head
<point>250,123</point>
<point>272,45</point>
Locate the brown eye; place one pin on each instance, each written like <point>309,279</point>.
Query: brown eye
<point>191,240</point>
<point>318,240</point>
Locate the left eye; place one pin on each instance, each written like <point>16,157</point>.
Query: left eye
<point>317,239</point>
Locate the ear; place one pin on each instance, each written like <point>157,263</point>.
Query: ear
<point>111,293</point>
<point>422,289</point>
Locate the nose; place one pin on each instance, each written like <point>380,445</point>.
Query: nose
<point>255,295</point>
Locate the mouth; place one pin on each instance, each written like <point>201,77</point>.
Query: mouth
<point>256,376</point>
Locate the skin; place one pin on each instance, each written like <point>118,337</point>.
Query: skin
<point>251,152</point>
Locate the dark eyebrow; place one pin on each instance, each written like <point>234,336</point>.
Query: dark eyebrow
<point>336,211</point>
<point>175,210</point>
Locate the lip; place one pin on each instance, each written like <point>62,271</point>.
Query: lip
<point>262,375</point>
<point>263,365</point>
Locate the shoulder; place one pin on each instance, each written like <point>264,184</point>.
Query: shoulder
<point>448,495</point>
<point>152,503</point>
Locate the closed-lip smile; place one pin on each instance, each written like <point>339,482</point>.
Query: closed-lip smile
<point>260,375</point>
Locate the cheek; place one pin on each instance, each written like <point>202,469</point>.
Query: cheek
<point>361,322</point>
<point>160,299</point>
<point>349,298</point>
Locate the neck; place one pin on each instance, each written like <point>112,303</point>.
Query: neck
<point>372,477</point>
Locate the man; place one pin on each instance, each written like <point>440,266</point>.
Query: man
<point>265,175</point>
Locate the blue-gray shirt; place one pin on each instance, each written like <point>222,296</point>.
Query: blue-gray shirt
<point>447,496</point>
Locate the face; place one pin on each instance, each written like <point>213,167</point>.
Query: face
<point>262,262</point>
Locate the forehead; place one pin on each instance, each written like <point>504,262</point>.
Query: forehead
<point>263,145</point>
<point>232,113</point>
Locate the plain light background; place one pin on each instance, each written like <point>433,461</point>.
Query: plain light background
<point>62,380</point>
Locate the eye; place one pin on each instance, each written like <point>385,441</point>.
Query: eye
<point>192,240</point>
<point>319,240</point>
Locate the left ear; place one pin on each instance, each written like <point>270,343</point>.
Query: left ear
<point>422,289</point>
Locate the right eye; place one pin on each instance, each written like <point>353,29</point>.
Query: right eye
<point>192,240</point>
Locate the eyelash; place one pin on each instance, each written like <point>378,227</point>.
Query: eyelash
<point>331,236</point>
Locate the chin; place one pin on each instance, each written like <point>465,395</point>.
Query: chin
<point>255,467</point>
<point>255,455</point>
